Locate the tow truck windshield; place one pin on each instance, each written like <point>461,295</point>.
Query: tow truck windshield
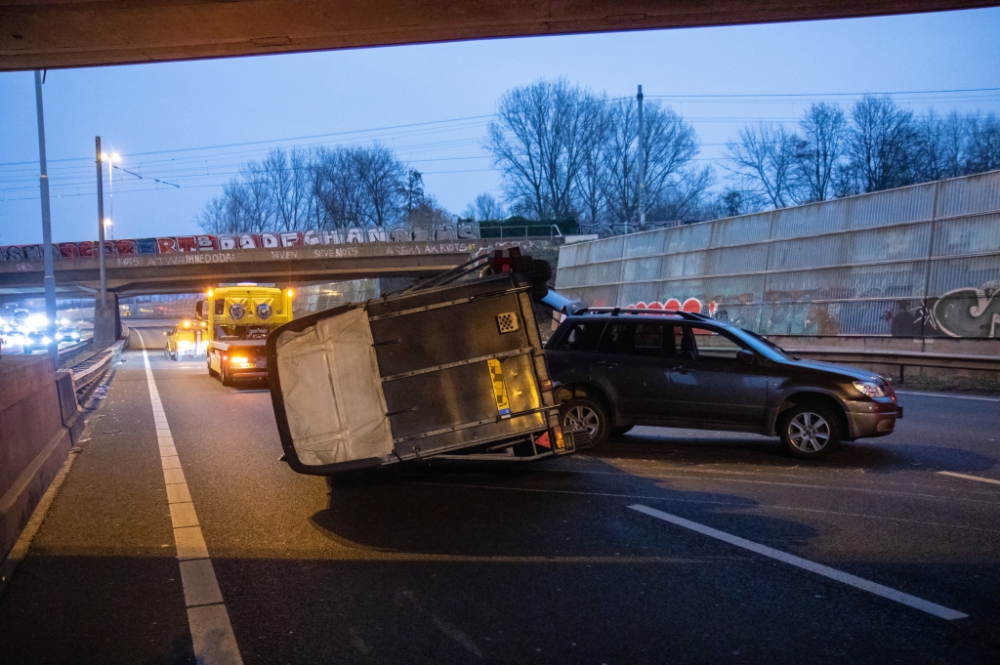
<point>239,332</point>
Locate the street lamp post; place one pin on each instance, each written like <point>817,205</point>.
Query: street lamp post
<point>111,159</point>
<point>49,280</point>
<point>103,299</point>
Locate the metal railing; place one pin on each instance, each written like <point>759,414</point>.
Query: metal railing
<point>86,374</point>
<point>903,359</point>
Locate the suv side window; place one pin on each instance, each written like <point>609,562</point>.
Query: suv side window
<point>649,339</point>
<point>582,337</point>
<point>619,337</point>
<point>711,344</point>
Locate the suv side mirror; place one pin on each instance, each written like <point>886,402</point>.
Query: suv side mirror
<point>745,357</point>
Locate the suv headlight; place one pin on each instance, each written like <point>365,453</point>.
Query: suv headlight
<point>869,389</point>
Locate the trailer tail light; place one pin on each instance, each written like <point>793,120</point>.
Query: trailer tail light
<point>545,385</point>
<point>560,441</point>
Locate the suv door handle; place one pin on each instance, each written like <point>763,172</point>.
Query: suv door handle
<point>682,370</point>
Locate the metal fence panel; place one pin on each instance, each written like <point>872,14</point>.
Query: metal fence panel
<point>921,260</point>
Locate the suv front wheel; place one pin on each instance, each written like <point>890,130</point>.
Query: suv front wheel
<point>583,413</point>
<point>810,431</point>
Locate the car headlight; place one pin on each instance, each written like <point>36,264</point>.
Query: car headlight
<point>869,389</point>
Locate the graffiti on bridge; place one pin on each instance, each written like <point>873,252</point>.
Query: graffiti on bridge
<point>211,243</point>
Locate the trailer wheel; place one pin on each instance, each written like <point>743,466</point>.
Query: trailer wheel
<point>585,413</point>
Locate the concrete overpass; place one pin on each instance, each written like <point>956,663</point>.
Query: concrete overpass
<point>47,34</point>
<point>195,271</point>
<point>186,272</point>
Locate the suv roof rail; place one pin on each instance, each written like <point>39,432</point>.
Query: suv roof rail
<point>616,311</point>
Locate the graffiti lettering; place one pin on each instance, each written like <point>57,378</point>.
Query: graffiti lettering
<point>213,243</point>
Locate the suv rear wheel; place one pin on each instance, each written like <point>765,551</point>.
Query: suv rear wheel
<point>810,431</point>
<point>584,413</point>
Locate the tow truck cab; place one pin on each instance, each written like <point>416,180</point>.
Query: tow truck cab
<point>239,318</point>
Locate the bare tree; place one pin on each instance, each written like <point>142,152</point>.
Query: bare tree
<point>214,218</point>
<point>539,142</point>
<point>984,144</point>
<point>337,189</point>
<point>289,178</point>
<point>684,198</point>
<point>413,190</point>
<point>819,150</point>
<point>882,144</point>
<point>485,209</point>
<point>764,158</point>
<point>381,177</point>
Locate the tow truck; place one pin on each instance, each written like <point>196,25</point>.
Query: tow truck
<point>449,369</point>
<point>239,318</point>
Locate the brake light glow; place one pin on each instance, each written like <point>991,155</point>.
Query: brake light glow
<point>560,441</point>
<point>240,361</point>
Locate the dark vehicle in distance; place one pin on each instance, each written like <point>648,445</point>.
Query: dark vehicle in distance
<point>615,369</point>
<point>69,334</point>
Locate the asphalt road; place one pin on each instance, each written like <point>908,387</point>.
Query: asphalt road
<point>542,564</point>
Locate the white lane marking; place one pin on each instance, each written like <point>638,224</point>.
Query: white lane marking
<point>962,475</point>
<point>976,398</point>
<point>211,632</point>
<point>805,564</point>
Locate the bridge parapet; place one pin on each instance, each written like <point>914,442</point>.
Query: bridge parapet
<point>196,270</point>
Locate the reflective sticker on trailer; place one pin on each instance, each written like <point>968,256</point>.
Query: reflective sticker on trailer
<point>499,388</point>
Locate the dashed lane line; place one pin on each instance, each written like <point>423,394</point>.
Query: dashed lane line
<point>805,564</point>
<point>211,631</point>
<point>962,475</point>
<point>761,506</point>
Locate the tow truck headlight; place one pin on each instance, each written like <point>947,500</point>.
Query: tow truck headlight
<point>869,388</point>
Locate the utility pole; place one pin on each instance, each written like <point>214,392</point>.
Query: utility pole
<point>50,277</point>
<point>102,301</point>
<point>642,165</point>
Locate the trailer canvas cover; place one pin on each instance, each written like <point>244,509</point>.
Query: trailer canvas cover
<point>339,414</point>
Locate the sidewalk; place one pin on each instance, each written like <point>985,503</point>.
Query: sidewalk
<point>100,583</point>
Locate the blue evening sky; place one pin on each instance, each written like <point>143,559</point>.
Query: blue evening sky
<point>193,123</point>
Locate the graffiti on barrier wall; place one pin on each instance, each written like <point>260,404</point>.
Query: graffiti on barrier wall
<point>209,243</point>
<point>964,312</point>
<point>673,304</point>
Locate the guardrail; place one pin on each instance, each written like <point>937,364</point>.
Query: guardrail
<point>87,373</point>
<point>73,349</point>
<point>903,359</point>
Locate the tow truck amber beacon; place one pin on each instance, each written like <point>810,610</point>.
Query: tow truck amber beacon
<point>239,318</point>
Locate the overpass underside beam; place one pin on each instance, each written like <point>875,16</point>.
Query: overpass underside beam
<point>42,34</point>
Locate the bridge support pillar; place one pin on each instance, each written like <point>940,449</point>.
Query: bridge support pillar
<point>107,323</point>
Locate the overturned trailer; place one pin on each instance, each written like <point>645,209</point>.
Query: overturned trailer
<point>452,368</point>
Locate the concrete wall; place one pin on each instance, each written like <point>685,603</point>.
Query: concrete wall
<point>920,261</point>
<point>39,422</point>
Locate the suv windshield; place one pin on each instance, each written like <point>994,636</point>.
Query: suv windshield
<point>766,347</point>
